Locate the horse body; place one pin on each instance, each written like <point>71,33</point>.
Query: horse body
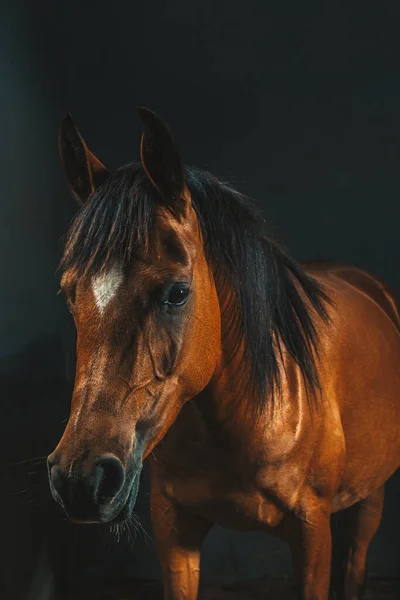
<point>345,451</point>
<point>257,474</point>
<point>164,371</point>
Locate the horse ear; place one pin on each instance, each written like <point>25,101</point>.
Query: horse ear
<point>84,171</point>
<point>161,159</point>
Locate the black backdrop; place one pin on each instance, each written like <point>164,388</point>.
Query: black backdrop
<point>296,103</point>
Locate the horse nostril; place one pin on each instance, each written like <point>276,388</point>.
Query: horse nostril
<point>109,477</point>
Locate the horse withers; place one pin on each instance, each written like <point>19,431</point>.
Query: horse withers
<point>265,395</point>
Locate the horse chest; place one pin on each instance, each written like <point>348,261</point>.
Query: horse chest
<point>209,490</point>
<point>213,477</point>
<point>231,508</point>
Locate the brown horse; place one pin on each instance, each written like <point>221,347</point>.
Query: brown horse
<point>266,395</point>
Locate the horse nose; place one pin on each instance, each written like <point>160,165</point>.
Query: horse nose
<point>85,490</point>
<point>109,477</point>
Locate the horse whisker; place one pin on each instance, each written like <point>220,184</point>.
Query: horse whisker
<point>27,460</point>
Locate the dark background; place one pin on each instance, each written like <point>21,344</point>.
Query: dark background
<point>296,103</point>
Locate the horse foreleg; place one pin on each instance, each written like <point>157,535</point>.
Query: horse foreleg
<point>311,553</point>
<point>179,537</point>
<point>359,525</point>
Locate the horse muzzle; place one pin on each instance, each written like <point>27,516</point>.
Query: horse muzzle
<point>96,489</point>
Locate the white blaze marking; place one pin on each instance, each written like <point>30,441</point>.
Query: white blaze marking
<point>105,286</point>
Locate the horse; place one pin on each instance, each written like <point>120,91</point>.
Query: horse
<point>264,394</point>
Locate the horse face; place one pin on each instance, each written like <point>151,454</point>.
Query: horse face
<point>148,338</point>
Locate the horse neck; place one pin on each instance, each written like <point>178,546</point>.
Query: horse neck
<point>228,402</point>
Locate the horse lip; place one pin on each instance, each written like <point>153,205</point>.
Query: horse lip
<point>116,518</point>
<point>130,499</point>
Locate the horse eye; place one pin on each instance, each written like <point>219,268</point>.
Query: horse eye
<point>177,294</point>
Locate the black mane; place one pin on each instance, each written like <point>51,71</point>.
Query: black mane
<point>276,297</point>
